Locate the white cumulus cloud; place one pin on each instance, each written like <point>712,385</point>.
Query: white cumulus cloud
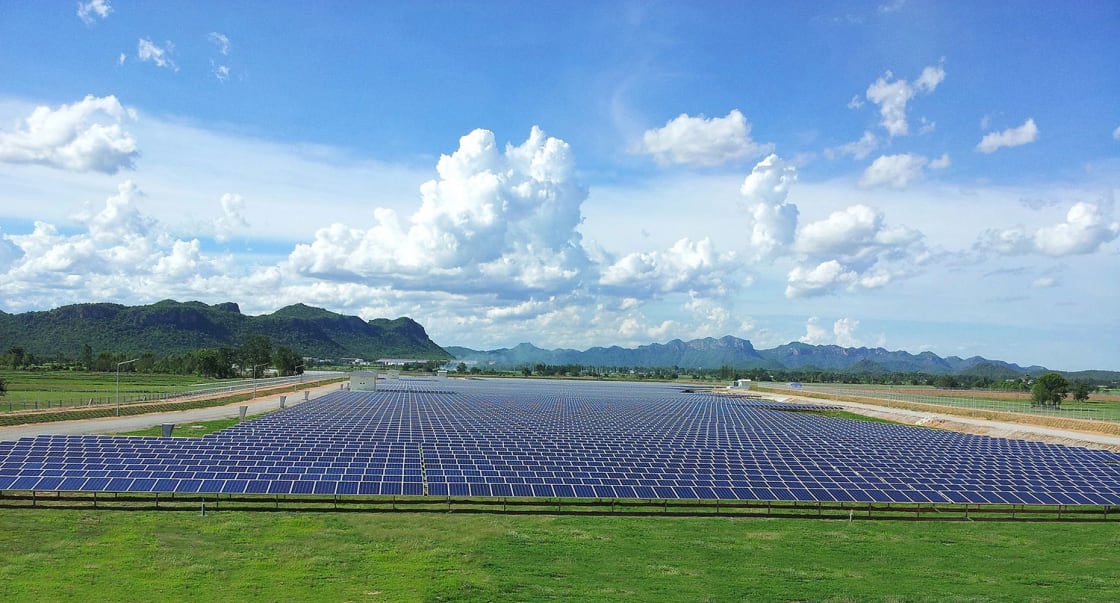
<point>160,56</point>
<point>826,277</point>
<point>702,141</point>
<point>1086,228</point>
<point>715,315</point>
<point>688,266</point>
<point>893,95</point>
<point>854,249</point>
<point>120,250</point>
<point>772,221</point>
<point>232,217</point>
<point>1011,137</point>
<point>89,11</point>
<point>82,137</point>
<point>897,171</point>
<point>815,334</point>
<point>493,220</point>
<point>841,232</point>
<point>843,333</point>
<point>1116,133</point>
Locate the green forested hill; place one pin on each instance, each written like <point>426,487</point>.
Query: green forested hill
<point>171,327</point>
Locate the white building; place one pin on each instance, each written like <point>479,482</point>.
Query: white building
<point>363,381</point>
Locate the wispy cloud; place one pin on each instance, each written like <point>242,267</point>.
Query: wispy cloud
<point>90,11</point>
<point>160,56</point>
<point>221,41</point>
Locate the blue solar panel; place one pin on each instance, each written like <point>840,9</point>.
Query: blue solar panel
<point>557,439</point>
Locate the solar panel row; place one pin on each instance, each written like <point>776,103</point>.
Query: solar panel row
<point>500,438</point>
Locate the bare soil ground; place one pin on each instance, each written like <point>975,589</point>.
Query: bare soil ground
<point>968,393</point>
<point>1071,432</point>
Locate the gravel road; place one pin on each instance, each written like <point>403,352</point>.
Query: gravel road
<point>1002,429</point>
<point>108,425</point>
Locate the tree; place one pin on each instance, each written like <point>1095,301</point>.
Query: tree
<point>256,353</point>
<point>946,382</point>
<point>287,362</point>
<point>462,368</point>
<point>215,362</point>
<point>1049,390</point>
<point>16,357</point>
<point>3,387</point>
<point>1081,390</point>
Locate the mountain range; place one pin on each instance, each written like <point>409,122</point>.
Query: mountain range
<point>709,353</point>
<point>171,327</point>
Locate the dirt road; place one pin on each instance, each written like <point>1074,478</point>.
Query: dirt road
<point>258,405</point>
<point>1001,429</point>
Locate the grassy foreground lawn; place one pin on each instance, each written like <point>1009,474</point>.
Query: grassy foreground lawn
<point>125,556</point>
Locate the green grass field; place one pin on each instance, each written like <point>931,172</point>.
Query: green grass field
<point>70,388</point>
<point>61,555</point>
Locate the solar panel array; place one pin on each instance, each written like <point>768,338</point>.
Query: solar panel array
<point>517,438</point>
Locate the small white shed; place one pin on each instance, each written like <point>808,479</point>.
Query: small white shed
<point>363,381</point>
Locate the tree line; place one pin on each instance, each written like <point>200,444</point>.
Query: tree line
<point>252,358</point>
<point>1078,389</point>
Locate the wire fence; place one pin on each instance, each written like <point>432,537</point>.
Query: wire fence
<point>71,399</point>
<point>996,400</point>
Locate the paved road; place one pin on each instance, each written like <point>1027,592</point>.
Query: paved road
<point>105,425</point>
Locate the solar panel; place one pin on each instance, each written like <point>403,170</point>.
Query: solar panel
<point>500,438</point>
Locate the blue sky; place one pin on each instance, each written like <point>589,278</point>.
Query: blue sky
<point>906,174</point>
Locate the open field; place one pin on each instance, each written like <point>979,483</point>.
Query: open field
<point>34,391</point>
<point>216,398</point>
<point>120,555</point>
<point>71,388</point>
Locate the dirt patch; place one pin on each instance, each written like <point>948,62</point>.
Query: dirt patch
<point>1006,427</point>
